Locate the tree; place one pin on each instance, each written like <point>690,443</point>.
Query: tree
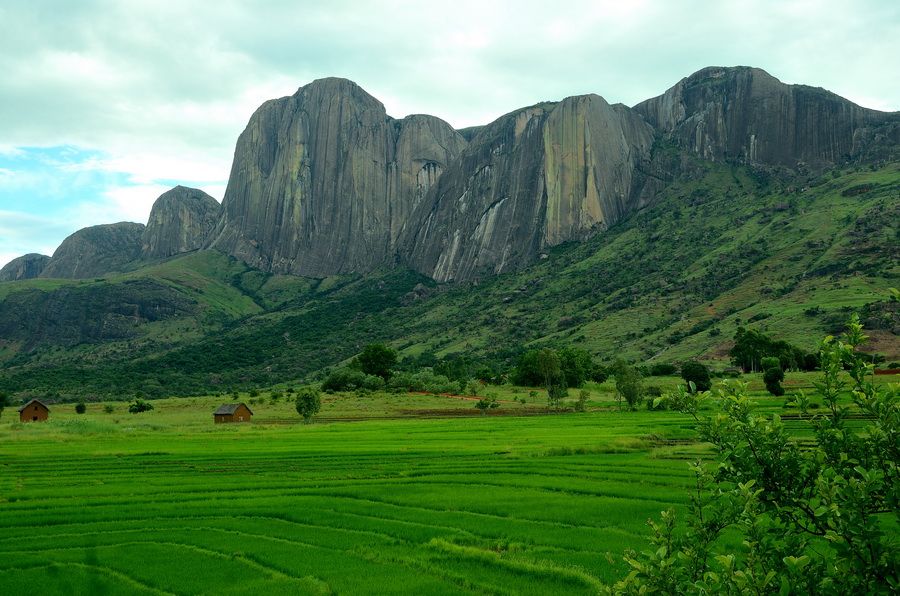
<point>80,407</point>
<point>663,370</point>
<point>773,376</point>
<point>629,385</point>
<point>576,365</point>
<point>599,373</point>
<point>4,401</point>
<point>817,519</point>
<point>308,402</point>
<point>526,372</point>
<point>581,404</point>
<point>139,405</point>
<point>750,346</point>
<point>377,360</point>
<point>547,362</point>
<point>696,373</point>
<point>486,403</point>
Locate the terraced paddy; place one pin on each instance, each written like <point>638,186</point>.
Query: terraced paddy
<point>494,505</point>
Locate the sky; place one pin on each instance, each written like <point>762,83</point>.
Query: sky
<point>106,104</point>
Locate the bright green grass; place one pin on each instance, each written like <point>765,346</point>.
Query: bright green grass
<point>168,503</point>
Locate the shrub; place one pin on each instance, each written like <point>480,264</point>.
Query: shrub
<point>373,382</point>
<point>813,519</point>
<point>663,370</point>
<point>773,377</point>
<point>698,374</point>
<point>80,407</point>
<point>307,403</point>
<point>139,405</point>
<point>344,379</point>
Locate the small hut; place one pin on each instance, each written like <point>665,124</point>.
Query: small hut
<point>232,413</point>
<point>34,411</point>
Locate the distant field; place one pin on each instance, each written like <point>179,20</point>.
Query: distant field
<point>166,502</point>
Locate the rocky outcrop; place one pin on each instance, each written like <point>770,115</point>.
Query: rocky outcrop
<point>181,220</point>
<point>95,251</point>
<point>25,267</point>
<point>744,116</point>
<point>533,179</point>
<point>323,181</point>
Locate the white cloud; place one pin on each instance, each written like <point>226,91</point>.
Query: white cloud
<point>160,89</point>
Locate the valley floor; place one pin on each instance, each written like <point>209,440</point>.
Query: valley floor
<point>166,502</point>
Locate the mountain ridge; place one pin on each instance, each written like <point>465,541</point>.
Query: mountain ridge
<point>324,182</point>
<point>575,223</point>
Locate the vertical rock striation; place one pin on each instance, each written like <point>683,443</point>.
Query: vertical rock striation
<point>532,179</point>
<point>745,116</point>
<point>322,181</point>
<point>181,220</point>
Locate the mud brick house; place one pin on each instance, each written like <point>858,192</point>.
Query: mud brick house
<point>232,413</point>
<point>34,411</point>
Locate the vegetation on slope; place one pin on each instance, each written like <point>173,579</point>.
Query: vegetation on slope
<point>722,249</point>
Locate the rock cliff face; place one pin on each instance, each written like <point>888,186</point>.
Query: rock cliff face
<point>323,181</point>
<point>95,251</point>
<point>533,179</point>
<point>745,116</point>
<point>181,220</point>
<point>25,267</point>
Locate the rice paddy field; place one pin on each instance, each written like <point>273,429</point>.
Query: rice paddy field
<point>166,502</point>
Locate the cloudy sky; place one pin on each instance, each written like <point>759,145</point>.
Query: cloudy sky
<point>105,104</point>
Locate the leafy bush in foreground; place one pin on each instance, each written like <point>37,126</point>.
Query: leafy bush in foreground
<point>812,521</point>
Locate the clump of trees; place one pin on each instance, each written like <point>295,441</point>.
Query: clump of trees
<point>752,346</point>
<point>556,371</point>
<point>810,520</point>
<point>370,370</point>
<point>661,369</point>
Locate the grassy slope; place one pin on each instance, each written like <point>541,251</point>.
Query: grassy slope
<point>675,281</point>
<point>720,250</point>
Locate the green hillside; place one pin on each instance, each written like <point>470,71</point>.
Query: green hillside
<point>723,248</point>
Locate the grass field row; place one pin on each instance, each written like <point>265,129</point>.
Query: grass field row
<point>166,502</point>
